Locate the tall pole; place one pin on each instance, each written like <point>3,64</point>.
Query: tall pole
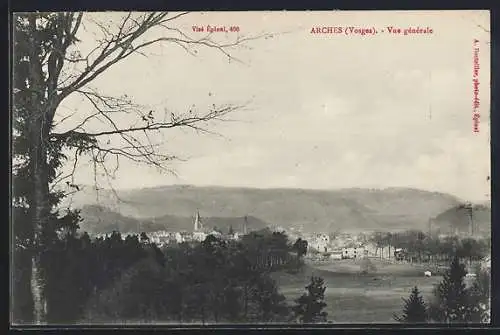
<point>471,221</point>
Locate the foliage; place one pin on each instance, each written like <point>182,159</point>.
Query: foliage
<point>269,301</point>
<point>77,267</point>
<point>480,297</point>
<point>132,297</point>
<point>208,282</point>
<point>421,247</point>
<point>269,250</point>
<point>414,309</point>
<point>29,241</point>
<point>309,307</point>
<point>452,299</point>
<point>300,246</point>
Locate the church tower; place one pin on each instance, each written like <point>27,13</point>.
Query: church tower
<point>197,222</point>
<point>245,225</point>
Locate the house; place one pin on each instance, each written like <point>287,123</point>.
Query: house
<point>199,236</point>
<point>179,238</point>
<point>400,254</point>
<point>278,229</point>
<point>336,255</point>
<point>320,242</point>
<point>347,253</point>
<point>230,237</point>
<point>163,237</point>
<point>154,239</point>
<point>353,250</point>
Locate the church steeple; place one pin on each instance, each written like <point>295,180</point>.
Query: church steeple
<point>197,221</point>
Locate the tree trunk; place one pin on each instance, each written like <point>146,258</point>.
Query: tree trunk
<point>36,291</point>
<point>217,310</point>
<point>40,208</point>
<point>38,133</point>
<point>22,298</point>
<point>245,297</point>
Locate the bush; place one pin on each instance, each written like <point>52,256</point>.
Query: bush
<point>309,307</point>
<point>414,310</point>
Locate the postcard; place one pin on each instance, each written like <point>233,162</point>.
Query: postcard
<point>272,167</point>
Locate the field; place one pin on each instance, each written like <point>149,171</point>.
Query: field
<point>356,298</point>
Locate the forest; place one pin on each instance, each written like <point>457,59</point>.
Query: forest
<point>424,247</point>
<point>113,279</point>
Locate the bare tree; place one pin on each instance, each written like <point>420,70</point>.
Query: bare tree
<point>49,67</point>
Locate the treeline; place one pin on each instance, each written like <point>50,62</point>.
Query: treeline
<point>268,250</point>
<point>215,281</point>
<point>111,279</point>
<point>75,268</point>
<point>453,301</point>
<point>421,247</point>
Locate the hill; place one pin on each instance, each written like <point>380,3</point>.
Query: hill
<point>457,219</point>
<point>310,210</point>
<point>98,219</point>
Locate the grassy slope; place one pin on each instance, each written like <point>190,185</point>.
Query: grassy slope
<point>354,298</point>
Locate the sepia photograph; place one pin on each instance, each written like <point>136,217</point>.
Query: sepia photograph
<point>246,168</point>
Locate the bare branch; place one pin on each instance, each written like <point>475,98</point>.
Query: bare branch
<point>119,41</point>
<point>188,121</point>
<point>118,46</point>
<point>58,70</point>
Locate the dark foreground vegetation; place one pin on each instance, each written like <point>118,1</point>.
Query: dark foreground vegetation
<point>453,300</point>
<point>114,280</point>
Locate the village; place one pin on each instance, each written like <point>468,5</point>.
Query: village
<point>321,247</point>
<point>199,234</point>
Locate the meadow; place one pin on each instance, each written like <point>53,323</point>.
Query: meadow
<point>353,297</point>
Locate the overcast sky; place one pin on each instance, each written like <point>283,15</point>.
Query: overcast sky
<point>324,111</point>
